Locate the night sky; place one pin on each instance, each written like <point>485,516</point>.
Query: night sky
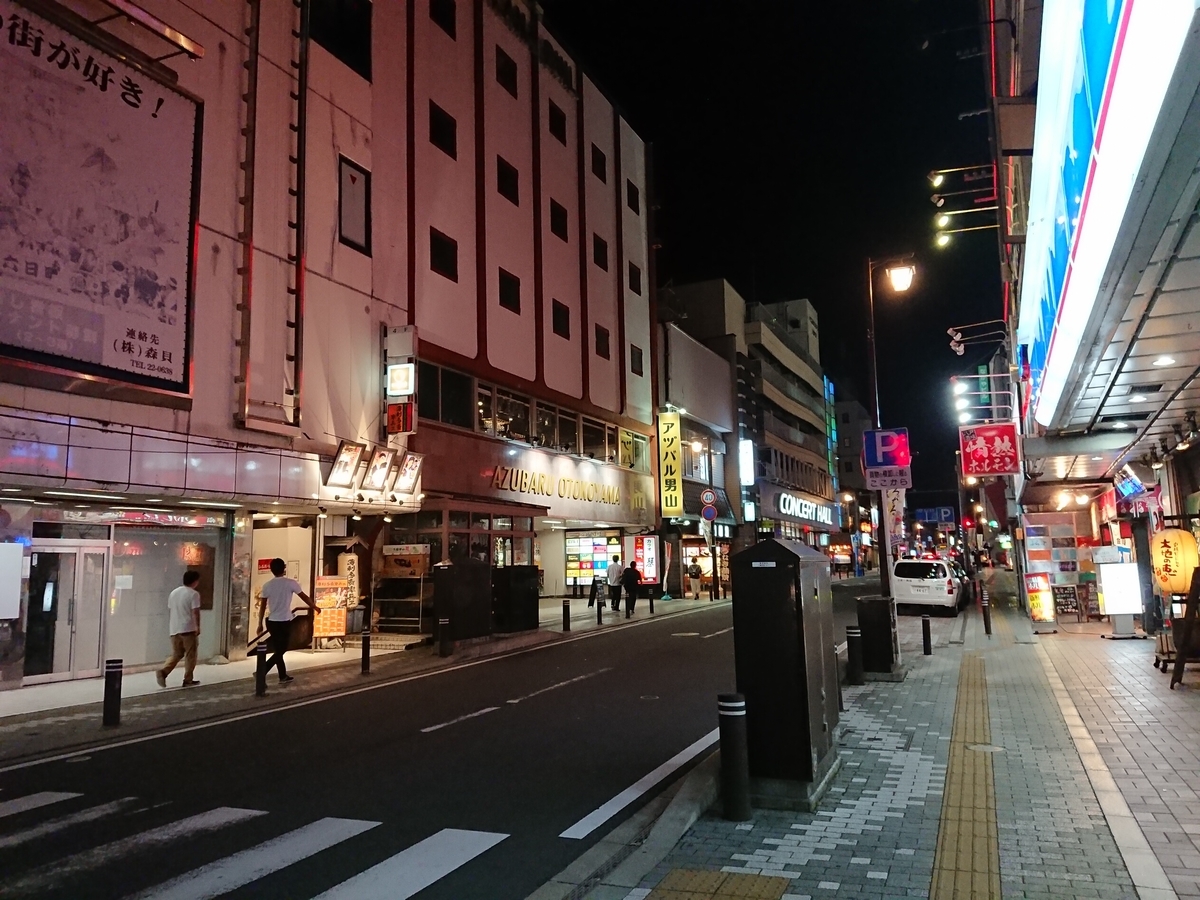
<point>794,139</point>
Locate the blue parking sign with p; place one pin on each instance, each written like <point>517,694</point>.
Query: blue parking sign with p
<point>886,448</point>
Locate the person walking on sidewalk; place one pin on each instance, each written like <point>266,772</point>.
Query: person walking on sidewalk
<point>183,606</point>
<point>278,596</point>
<point>695,573</point>
<point>615,571</point>
<point>631,580</point>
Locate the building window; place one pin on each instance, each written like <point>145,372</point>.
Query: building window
<point>599,164</point>
<point>847,467</point>
<point>512,416</point>
<point>484,420</point>
<point>506,71</point>
<point>560,319</point>
<point>635,359</point>
<point>546,422</point>
<point>443,254</point>
<point>593,439</point>
<point>602,349</point>
<point>695,462</point>
<point>427,391</point>
<point>508,181</point>
<point>354,206</point>
<point>558,123</point>
<point>443,130</point>
<point>845,418</point>
<point>558,219</point>
<point>443,14</point>
<point>458,392</point>
<point>633,197</point>
<point>510,291</point>
<point>635,279</point>
<point>568,431</point>
<point>343,27</point>
<point>846,442</point>
<point>600,252</point>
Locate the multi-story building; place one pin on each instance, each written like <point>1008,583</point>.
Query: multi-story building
<point>294,227</point>
<point>785,406</point>
<point>859,502</point>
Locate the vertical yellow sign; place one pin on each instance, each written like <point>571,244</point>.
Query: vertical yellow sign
<point>670,468</point>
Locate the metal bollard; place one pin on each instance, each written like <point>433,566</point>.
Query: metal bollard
<point>260,670</point>
<point>650,595</point>
<point>600,612</point>
<point>735,758</point>
<point>112,692</point>
<point>566,613</point>
<point>986,606</point>
<point>926,639</point>
<point>366,644</point>
<point>854,658</point>
<point>445,643</point>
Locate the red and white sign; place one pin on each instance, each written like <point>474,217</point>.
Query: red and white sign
<point>990,449</point>
<point>264,565</point>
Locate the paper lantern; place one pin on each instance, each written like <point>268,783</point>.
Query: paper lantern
<point>1174,557</point>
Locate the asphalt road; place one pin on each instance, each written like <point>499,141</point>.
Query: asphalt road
<point>458,784</point>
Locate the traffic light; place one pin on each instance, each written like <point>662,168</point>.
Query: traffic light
<point>967,523</point>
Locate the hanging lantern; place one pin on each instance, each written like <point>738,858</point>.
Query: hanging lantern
<point>1174,557</point>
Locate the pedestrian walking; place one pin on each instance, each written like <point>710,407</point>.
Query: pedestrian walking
<point>695,573</point>
<point>615,571</point>
<point>277,593</point>
<point>183,606</point>
<point>631,580</point>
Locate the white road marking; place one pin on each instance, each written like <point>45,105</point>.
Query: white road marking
<point>477,713</point>
<point>409,871</point>
<point>52,874</point>
<point>555,687</point>
<point>686,634</point>
<point>598,817</point>
<point>33,801</point>
<point>240,869</point>
<point>722,631</point>
<point>63,822</point>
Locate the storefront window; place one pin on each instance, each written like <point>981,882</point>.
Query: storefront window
<point>641,453</point>
<point>568,432</point>
<point>457,393</point>
<point>522,523</point>
<point>460,519</point>
<point>481,521</point>
<point>547,426</point>
<point>522,551</point>
<point>460,546</point>
<point>512,416</point>
<point>502,523</point>
<point>72,531</point>
<point>479,547</point>
<point>434,541</point>
<point>610,452</point>
<point>502,551</point>
<point>484,420</point>
<point>429,518</point>
<point>593,439</point>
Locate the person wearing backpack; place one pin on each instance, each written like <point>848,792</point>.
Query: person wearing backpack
<point>631,580</point>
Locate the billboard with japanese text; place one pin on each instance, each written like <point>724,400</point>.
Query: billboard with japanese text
<point>96,208</point>
<point>990,449</point>
<point>670,465</point>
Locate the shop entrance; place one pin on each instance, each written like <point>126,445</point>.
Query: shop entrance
<point>64,632</point>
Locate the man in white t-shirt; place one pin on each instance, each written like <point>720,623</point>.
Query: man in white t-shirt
<point>615,571</point>
<point>184,607</point>
<point>277,594</point>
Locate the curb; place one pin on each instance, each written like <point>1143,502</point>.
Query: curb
<point>622,858</point>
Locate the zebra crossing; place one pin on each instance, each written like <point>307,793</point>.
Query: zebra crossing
<point>58,843</point>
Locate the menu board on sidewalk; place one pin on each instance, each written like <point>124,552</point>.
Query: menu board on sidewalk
<point>1041,601</point>
<point>1066,600</point>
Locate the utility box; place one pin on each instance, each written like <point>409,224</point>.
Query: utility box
<point>515,598</point>
<point>880,641</point>
<point>787,670</point>
<point>462,593</point>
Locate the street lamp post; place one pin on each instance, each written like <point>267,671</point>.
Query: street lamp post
<point>900,273</point>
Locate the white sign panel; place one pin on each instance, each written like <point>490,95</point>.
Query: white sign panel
<point>886,479</point>
<point>96,189</point>
<point>11,568</point>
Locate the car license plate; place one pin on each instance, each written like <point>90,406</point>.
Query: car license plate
<point>920,589</point>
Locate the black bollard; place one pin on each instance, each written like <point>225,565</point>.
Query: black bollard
<point>112,692</point>
<point>260,669</point>
<point>650,595</point>
<point>735,759</point>
<point>566,613</point>
<point>445,644</point>
<point>600,613</point>
<point>366,643</point>
<point>854,657</point>
<point>987,614</point>
<point>926,639</point>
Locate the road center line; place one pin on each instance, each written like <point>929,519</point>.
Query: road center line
<point>477,713</point>
<point>598,817</point>
<point>686,634</point>
<point>722,631</point>
<point>555,687</point>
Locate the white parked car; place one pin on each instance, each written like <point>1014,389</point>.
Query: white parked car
<point>930,582</point>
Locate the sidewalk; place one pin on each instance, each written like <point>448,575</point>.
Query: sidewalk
<point>1056,766</point>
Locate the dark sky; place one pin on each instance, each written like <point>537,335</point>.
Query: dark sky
<point>791,141</point>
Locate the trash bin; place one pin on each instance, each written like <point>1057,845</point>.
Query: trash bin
<point>515,599</point>
<point>462,592</point>
<point>880,643</point>
<point>787,670</point>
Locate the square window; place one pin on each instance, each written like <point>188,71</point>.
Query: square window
<point>602,349</point>
<point>443,254</point>
<point>635,360</point>
<point>633,197</point>
<point>354,206</point>
<point>510,291</point>
<point>560,319</point>
<point>599,164</point>
<point>635,279</point>
<point>443,130</point>
<point>443,13</point>
<point>506,71</point>
<point>458,390</point>
<point>427,391</point>
<point>508,181</point>
<point>343,27</point>
<point>558,219</point>
<point>600,252</point>
<point>558,123</point>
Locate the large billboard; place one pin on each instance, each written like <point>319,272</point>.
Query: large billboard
<point>97,194</point>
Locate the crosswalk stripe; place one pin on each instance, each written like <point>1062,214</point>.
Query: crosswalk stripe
<point>414,869</point>
<point>33,801</point>
<point>51,874</point>
<point>241,868</point>
<point>87,815</point>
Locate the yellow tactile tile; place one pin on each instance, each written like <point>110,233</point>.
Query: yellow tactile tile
<point>704,881</point>
<point>659,894</point>
<point>753,887</point>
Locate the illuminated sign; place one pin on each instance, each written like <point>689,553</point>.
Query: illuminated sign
<point>791,505</point>
<point>1120,589</point>
<point>670,471</point>
<point>990,449</point>
<point>345,464</point>
<point>746,463</point>
<point>410,471</point>
<point>401,379</point>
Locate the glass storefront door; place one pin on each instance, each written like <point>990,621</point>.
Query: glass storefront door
<point>65,627</point>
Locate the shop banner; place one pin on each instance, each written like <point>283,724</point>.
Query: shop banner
<point>894,511</point>
<point>331,596</point>
<point>1041,598</point>
<point>990,449</point>
<point>348,569</point>
<point>670,470</point>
